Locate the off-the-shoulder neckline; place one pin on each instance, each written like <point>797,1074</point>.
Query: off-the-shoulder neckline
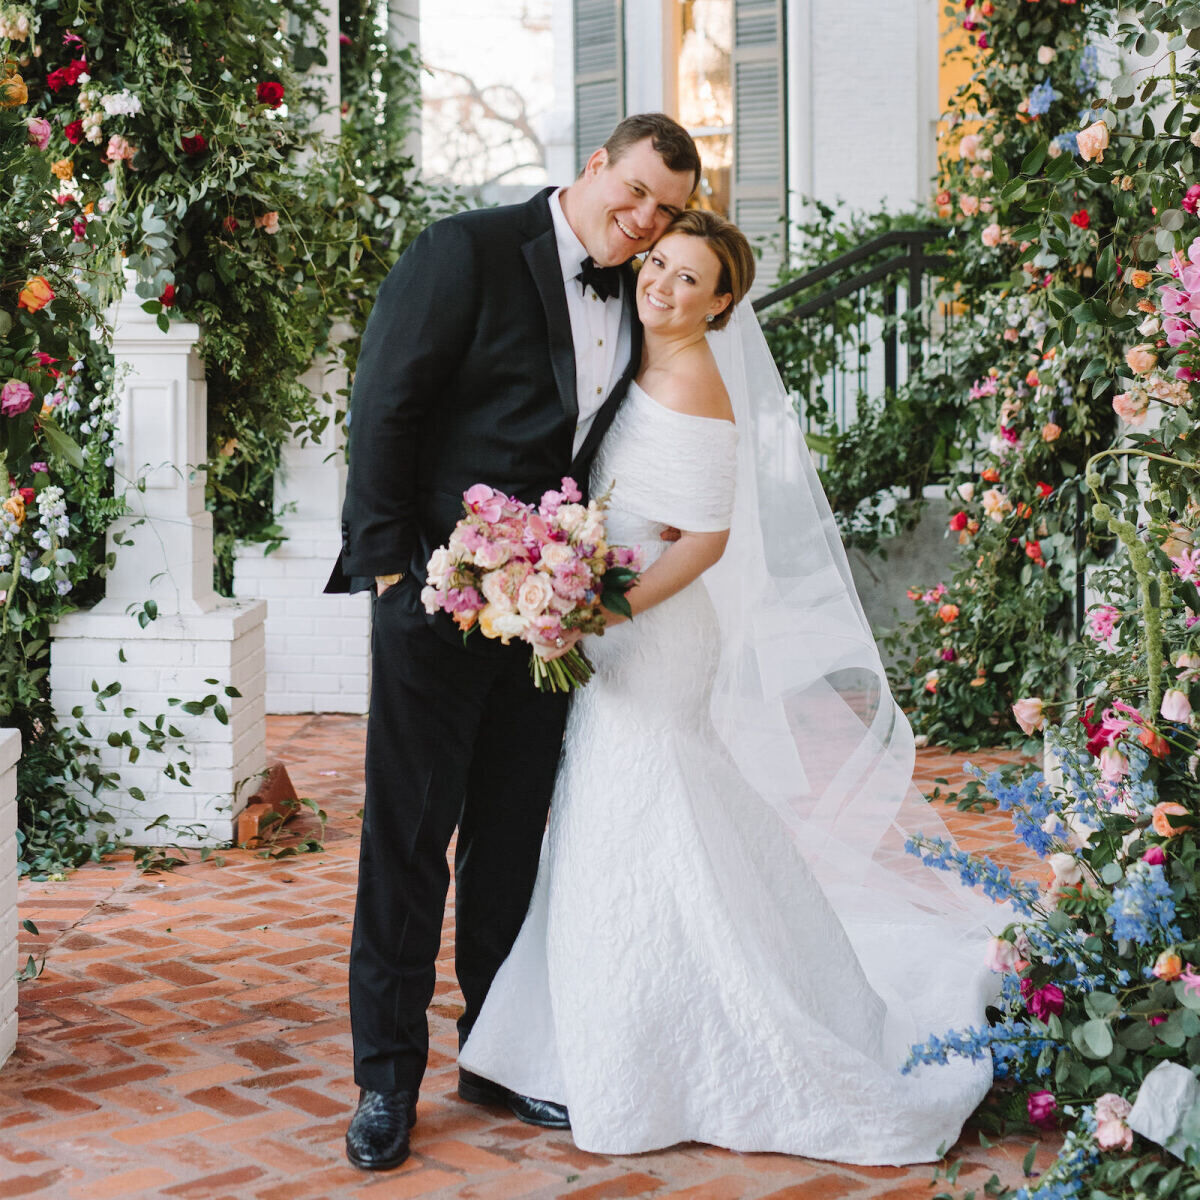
<point>675,412</point>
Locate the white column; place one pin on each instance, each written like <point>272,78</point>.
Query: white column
<point>317,646</point>
<point>10,751</point>
<point>163,552</point>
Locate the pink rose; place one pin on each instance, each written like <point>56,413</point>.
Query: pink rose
<point>1001,956</point>
<point>1114,1135</point>
<point>39,132</point>
<point>991,235</point>
<point>1191,198</point>
<point>1029,714</point>
<point>969,204</point>
<point>1113,764</point>
<point>1155,856</point>
<point>491,555</point>
<point>15,398</point>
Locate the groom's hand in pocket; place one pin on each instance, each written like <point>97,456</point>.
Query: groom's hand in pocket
<point>670,534</point>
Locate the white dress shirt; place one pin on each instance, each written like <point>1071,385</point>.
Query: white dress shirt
<point>599,328</point>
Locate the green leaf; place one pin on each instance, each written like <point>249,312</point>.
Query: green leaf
<point>1123,86</point>
<point>1094,1038</point>
<point>1111,873</point>
<point>1171,218</point>
<point>1034,159</point>
<point>60,443</point>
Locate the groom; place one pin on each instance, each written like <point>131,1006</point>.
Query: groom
<point>498,350</point>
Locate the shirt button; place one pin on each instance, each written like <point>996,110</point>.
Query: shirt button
<point>598,391</point>
<point>599,341</point>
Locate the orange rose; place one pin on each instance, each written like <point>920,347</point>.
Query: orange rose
<point>35,295</point>
<point>990,475</point>
<point>13,92</point>
<point>16,506</point>
<point>1032,378</point>
<point>948,612</point>
<point>1160,820</point>
<point>1141,358</point>
<point>1140,279</point>
<point>1051,432</point>
<point>64,169</point>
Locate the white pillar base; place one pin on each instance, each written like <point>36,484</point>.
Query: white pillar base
<point>318,647</point>
<point>172,656</point>
<point>10,751</point>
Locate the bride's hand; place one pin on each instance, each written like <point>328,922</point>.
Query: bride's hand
<point>550,653</point>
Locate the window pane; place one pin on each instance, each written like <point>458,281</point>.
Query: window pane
<point>705,97</point>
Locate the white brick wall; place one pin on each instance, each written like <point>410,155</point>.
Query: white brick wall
<point>172,657</point>
<point>317,646</point>
<point>10,751</point>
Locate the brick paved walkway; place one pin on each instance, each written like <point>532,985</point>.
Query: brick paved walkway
<point>188,1038</point>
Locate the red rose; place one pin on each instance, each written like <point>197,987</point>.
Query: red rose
<point>958,521</point>
<point>229,224</point>
<point>983,41</point>
<point>27,494</point>
<point>270,93</point>
<point>1044,489</point>
<point>197,143</point>
<point>74,132</point>
<point>167,299</point>
<point>1081,218</point>
<point>66,76</point>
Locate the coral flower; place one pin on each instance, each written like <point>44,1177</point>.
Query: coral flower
<point>1139,279</point>
<point>1161,822</point>
<point>1175,705</point>
<point>990,475</point>
<point>1080,218</point>
<point>1051,432</point>
<point>948,612</point>
<point>1154,741</point>
<point>35,295</point>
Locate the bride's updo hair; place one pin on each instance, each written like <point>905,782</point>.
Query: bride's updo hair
<point>730,246</point>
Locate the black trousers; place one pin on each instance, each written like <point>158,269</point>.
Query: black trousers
<point>453,738</point>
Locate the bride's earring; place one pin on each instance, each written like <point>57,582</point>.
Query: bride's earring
<point>709,317</point>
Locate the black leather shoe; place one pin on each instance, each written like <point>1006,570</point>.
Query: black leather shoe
<point>546,1113</point>
<point>377,1139</point>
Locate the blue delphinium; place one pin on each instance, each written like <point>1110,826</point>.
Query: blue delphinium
<point>1088,70</point>
<point>1079,1154</point>
<point>1029,804</point>
<point>1006,1043</point>
<point>994,881</point>
<point>1068,143</point>
<point>1042,96</point>
<point>1143,907</point>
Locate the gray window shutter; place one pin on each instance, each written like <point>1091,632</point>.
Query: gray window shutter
<point>759,188</point>
<point>599,74</point>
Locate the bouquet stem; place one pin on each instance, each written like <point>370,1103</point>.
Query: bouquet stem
<point>571,670</point>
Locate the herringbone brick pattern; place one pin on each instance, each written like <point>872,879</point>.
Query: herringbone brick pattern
<point>188,1039</point>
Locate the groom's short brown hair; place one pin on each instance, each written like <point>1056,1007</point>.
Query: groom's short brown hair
<point>671,142</point>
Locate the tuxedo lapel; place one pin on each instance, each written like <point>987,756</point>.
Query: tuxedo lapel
<point>604,417</point>
<point>541,253</point>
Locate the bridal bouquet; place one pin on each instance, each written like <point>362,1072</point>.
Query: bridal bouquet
<point>532,572</point>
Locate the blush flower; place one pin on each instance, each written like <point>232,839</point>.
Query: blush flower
<point>38,130</point>
<point>1141,358</point>
<point>1092,141</point>
<point>1030,713</point>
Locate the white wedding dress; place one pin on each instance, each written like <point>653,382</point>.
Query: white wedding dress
<point>680,975</point>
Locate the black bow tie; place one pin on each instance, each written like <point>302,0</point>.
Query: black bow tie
<point>604,281</point>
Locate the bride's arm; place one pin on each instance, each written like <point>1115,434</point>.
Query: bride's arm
<point>680,564</point>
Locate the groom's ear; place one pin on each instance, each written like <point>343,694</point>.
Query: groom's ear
<point>596,163</point>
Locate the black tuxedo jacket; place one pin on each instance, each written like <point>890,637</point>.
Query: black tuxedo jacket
<point>466,375</point>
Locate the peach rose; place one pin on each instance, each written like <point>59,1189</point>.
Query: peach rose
<point>1141,358</point>
<point>534,595</point>
<point>64,168</point>
<point>991,235</point>
<point>1168,965</point>
<point>968,148</point>
<point>996,504</point>
<point>1131,407</point>
<point>1051,432</point>
<point>15,506</point>
<point>13,92</point>
<point>1160,820</point>
<point>969,205</point>
<point>1093,141</point>
<point>948,612</point>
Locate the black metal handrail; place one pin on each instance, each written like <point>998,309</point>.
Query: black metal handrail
<point>912,262</point>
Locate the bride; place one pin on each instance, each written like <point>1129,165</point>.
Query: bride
<point>727,943</point>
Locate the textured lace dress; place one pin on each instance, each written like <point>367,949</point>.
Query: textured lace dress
<point>680,975</point>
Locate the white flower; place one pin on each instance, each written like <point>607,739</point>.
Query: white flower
<point>510,624</point>
<point>1066,868</point>
<point>1046,55</point>
<point>557,554</point>
<point>570,517</point>
<point>1149,326</point>
<point>123,104</point>
<point>967,491</point>
<point>440,565</point>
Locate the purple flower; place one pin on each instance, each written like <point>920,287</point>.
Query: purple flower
<point>39,468</point>
<point>15,398</point>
